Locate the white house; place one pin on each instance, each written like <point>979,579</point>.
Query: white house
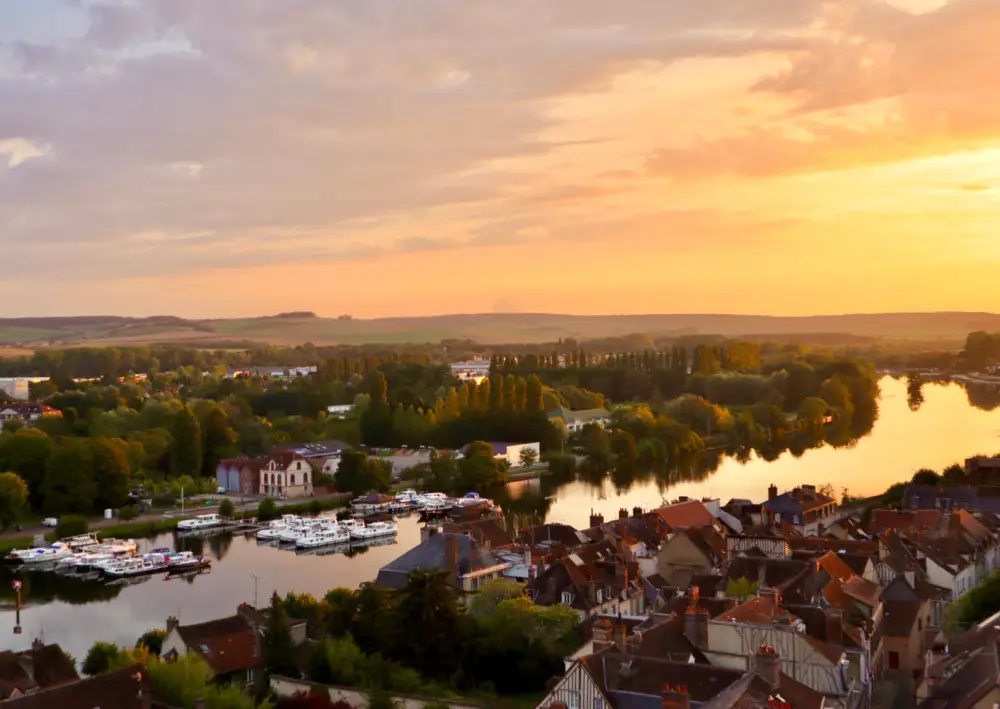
<point>575,420</point>
<point>286,474</point>
<point>511,452</point>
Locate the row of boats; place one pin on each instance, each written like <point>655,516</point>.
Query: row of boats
<point>87,554</point>
<point>316,532</point>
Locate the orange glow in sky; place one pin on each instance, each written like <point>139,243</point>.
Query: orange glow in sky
<point>730,156</point>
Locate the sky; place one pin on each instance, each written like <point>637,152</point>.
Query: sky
<point>390,157</point>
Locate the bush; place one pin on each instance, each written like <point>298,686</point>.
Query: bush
<point>315,507</point>
<point>72,525</point>
<point>128,513</point>
<point>153,640</point>
<point>227,508</point>
<point>99,658</point>
<point>268,509</point>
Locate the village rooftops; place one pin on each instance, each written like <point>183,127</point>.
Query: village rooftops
<point>691,513</point>
<point>622,677</point>
<point>763,610</point>
<point>127,688</point>
<point>884,520</point>
<point>42,666</point>
<point>800,500</point>
<point>227,644</point>
<point>433,553</point>
<point>318,449</point>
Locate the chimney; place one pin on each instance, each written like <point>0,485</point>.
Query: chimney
<point>451,558</point>
<point>596,520</point>
<point>676,697</point>
<point>772,491</point>
<point>834,626</point>
<point>767,665</point>
<point>623,513</point>
<point>637,511</point>
<point>696,626</point>
<point>172,623</point>
<point>37,644</point>
<point>602,633</point>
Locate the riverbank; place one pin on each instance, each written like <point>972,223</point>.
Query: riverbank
<point>155,523</point>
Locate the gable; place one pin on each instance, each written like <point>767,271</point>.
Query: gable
<point>680,549</point>
<point>579,682</point>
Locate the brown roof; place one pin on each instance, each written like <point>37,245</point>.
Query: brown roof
<point>227,644</point>
<point>488,532</point>
<point>760,610</point>
<point>14,674</point>
<point>615,672</point>
<point>816,543</point>
<point>882,520</point>
<point>121,689</point>
<point>42,666</point>
<point>685,514</point>
<point>962,681</point>
<point>899,617</point>
<point>753,691</point>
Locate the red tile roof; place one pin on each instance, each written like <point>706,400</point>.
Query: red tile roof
<point>685,514</point>
<point>227,645</point>
<point>882,520</point>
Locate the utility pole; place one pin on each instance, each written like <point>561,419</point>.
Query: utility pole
<point>255,580</point>
<point>182,499</point>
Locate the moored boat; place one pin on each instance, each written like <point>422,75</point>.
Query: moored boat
<point>38,555</point>
<point>200,522</point>
<point>152,563</point>
<point>374,530</point>
<point>183,561</point>
<point>324,536</point>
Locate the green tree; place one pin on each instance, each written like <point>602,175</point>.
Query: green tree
<point>112,472</point>
<point>378,388</point>
<point>153,640</point>
<point>623,447</point>
<point>218,438</point>
<point>279,649</point>
<point>268,509</point>
<point>491,595</point>
<point>100,658</point>
<point>339,608</point>
<point>227,508</point>
<point>534,400</point>
<point>480,469</point>
<point>26,453</point>
<point>358,474</point>
<point>528,457</point>
<point>13,498</point>
<point>442,473</point>
<point>741,588</point>
<point>69,478</point>
<point>926,476</point>
<point>183,681</point>
<point>426,615</point>
<point>186,451</point>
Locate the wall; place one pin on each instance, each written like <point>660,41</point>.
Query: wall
<point>678,559</point>
<point>576,689</point>
<point>285,687</point>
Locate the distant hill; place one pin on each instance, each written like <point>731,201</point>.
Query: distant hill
<point>489,328</point>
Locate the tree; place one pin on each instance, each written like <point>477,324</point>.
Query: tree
<point>100,658</point>
<point>227,508</point>
<point>480,469</point>
<point>426,615</point>
<point>217,437</point>
<point>187,679</point>
<point>741,588</point>
<point>358,474</point>
<point>339,608</point>
<point>153,640</point>
<point>112,472</point>
<point>490,596</point>
<point>186,451</point>
<point>69,478</point>
<point>926,476</point>
<point>279,648</point>
<point>268,509</point>
<point>528,457</point>
<point>13,498</point>
<point>623,446</point>
<point>534,403</point>
<point>378,388</point>
<point>26,453</point>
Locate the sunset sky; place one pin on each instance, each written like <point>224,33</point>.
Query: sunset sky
<point>413,157</point>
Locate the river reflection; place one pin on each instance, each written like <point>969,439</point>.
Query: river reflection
<point>942,430</point>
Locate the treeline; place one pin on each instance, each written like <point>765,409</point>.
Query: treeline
<point>701,358</point>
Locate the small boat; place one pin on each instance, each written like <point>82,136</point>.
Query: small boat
<point>38,555</point>
<point>152,563</point>
<point>433,498</point>
<point>200,522</point>
<point>184,561</point>
<point>276,526</point>
<point>470,498</point>
<point>372,503</point>
<point>352,523</point>
<point>82,541</point>
<point>408,497</point>
<point>374,530</point>
<point>324,536</point>
<point>294,534</point>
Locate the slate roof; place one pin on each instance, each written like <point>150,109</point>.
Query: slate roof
<point>899,617</point>
<point>882,520</point>
<point>869,548</point>
<point>120,689</point>
<point>618,674</point>
<point>965,679</point>
<point>776,573</point>
<point>432,553</point>
<point>554,532</point>
<point>226,644</point>
<point>488,532</point>
<point>797,501</point>
<point>42,666</point>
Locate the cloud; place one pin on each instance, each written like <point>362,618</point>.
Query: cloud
<point>19,150</point>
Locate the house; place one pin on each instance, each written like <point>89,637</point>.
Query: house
<point>765,540</point>
<point>793,579</point>
<point>488,533</point>
<point>239,475</point>
<point>231,646</point>
<point>276,371</point>
<point>15,387</point>
<point>882,521</point>
<point>684,514</point>
<point>127,688</point>
<point>576,420</point>
<point>962,680</point>
<point>591,580</point>
<point>477,370</point>
<point>469,566</point>
<point>692,550</point>
<point>979,467</point>
<point>982,498</point>
<point>339,410</point>
<point>803,509</point>
<point>402,459</point>
<point>315,450</point>
<point>512,452</point>
<point>24,673</point>
<point>904,640</point>
<point>27,413</point>
<point>286,474</point>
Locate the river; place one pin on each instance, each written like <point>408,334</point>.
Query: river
<point>946,429</point>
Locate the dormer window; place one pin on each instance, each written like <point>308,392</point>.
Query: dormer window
<point>567,598</point>
<point>600,596</point>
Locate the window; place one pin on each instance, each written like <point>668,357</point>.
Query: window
<point>567,598</point>
<point>893,660</point>
<point>600,596</point>
<point>292,480</point>
<point>599,703</point>
<point>305,478</point>
<point>573,700</point>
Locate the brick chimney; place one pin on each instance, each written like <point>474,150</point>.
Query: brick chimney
<point>676,697</point>
<point>834,626</point>
<point>772,491</point>
<point>451,558</point>
<point>596,520</point>
<point>637,511</point>
<point>602,630</point>
<point>172,623</point>
<point>696,626</point>
<point>767,665</point>
<point>623,513</point>
<point>37,645</point>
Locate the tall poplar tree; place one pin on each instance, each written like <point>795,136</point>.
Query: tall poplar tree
<point>186,450</point>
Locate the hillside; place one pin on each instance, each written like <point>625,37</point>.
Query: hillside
<point>489,328</point>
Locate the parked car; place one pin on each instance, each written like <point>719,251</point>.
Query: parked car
<point>220,490</point>
<point>50,522</point>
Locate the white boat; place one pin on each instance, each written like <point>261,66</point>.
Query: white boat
<point>277,526</point>
<point>200,522</point>
<point>39,555</point>
<point>374,530</point>
<point>433,497</point>
<point>82,541</point>
<point>352,523</point>
<point>186,561</point>
<point>118,547</point>
<point>408,497</point>
<point>325,536</point>
<point>294,534</point>
<point>470,498</point>
<point>152,563</point>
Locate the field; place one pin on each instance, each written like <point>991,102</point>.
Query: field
<point>21,335</point>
